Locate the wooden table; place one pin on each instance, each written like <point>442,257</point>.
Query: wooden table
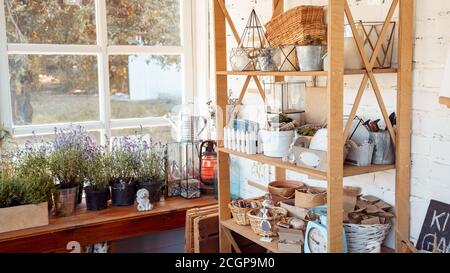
<point>87,227</point>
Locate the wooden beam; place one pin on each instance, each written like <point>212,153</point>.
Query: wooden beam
<point>220,44</point>
<point>369,64</point>
<point>240,99</point>
<point>277,9</point>
<point>404,102</point>
<point>444,101</point>
<point>229,20</point>
<point>335,171</point>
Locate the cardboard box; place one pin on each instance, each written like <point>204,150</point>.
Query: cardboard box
<point>290,240</point>
<point>23,217</point>
<point>294,211</point>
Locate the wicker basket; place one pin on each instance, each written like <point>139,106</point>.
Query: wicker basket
<point>365,238</point>
<point>240,214</point>
<point>255,221</point>
<point>299,26</point>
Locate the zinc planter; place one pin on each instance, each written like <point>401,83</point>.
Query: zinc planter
<point>23,217</point>
<point>123,193</point>
<point>97,199</point>
<point>154,190</point>
<point>66,201</point>
<point>310,58</point>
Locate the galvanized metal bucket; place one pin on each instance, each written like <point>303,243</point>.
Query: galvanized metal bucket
<point>384,153</point>
<point>66,201</point>
<point>266,59</point>
<point>310,58</point>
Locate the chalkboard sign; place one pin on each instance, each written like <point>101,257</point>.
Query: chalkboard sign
<point>437,224</point>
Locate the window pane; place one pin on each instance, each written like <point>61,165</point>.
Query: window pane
<point>53,88</point>
<point>150,22</point>
<point>144,85</point>
<point>51,21</point>
<point>165,134</point>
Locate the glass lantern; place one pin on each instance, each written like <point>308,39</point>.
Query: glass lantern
<point>183,170</point>
<point>285,97</point>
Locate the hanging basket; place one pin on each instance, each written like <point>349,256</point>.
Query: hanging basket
<point>365,238</point>
<point>298,26</point>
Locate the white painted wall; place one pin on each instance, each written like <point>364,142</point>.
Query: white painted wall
<point>431,121</point>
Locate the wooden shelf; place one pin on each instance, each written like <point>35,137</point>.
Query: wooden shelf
<point>304,74</point>
<point>88,227</point>
<point>247,232</point>
<point>277,162</point>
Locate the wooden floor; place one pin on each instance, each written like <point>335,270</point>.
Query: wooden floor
<point>87,227</point>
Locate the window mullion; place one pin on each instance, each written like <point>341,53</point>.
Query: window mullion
<point>103,68</point>
<point>6,114</point>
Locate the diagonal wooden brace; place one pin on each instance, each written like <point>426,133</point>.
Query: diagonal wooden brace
<point>238,40</point>
<point>369,64</point>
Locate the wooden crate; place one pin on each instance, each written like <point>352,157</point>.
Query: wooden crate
<point>191,215</point>
<point>206,233</point>
<point>23,217</point>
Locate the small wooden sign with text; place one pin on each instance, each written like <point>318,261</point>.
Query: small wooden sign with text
<point>436,228</point>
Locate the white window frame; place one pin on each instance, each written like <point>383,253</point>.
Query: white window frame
<point>102,51</point>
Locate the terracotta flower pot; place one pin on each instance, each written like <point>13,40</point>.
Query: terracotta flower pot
<point>284,190</point>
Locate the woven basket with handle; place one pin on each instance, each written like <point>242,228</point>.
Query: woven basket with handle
<point>240,214</point>
<point>255,221</point>
<point>299,25</point>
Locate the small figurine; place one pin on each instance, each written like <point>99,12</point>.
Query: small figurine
<point>266,225</point>
<point>143,201</point>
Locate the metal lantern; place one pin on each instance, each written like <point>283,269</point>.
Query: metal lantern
<point>254,35</point>
<point>285,97</point>
<point>183,170</point>
<point>245,57</point>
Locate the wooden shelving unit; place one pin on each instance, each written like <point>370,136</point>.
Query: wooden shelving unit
<point>304,74</point>
<point>337,10</point>
<point>278,162</point>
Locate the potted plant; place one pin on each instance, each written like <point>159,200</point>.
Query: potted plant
<point>68,164</point>
<point>26,187</point>
<point>122,164</point>
<point>151,174</point>
<point>310,55</point>
<point>97,180</point>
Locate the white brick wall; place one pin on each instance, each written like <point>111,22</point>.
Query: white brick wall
<point>431,121</point>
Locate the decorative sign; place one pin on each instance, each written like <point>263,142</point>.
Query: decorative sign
<point>444,96</point>
<point>436,228</point>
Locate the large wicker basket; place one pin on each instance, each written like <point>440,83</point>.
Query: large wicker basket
<point>240,214</point>
<point>299,25</point>
<point>365,238</point>
<point>255,221</point>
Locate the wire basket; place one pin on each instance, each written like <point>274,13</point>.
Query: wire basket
<point>255,221</point>
<point>365,238</point>
<point>299,25</point>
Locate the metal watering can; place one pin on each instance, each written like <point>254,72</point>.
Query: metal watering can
<point>189,127</point>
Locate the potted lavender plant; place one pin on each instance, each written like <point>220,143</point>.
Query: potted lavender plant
<point>26,188</point>
<point>97,179</point>
<point>123,163</point>
<point>151,174</point>
<point>68,164</point>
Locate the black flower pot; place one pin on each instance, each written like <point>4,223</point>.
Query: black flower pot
<point>80,194</point>
<point>97,199</point>
<point>154,190</point>
<point>123,193</point>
